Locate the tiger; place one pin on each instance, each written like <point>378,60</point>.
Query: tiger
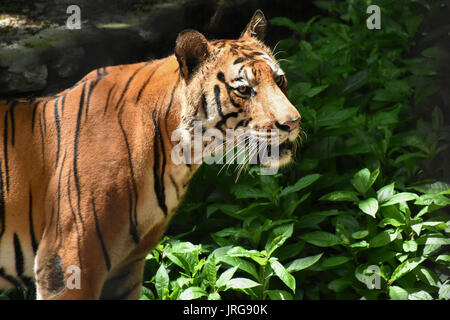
<point>87,183</point>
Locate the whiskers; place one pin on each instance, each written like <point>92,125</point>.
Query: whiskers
<point>248,148</point>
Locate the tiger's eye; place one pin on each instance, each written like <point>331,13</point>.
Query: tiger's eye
<point>243,89</point>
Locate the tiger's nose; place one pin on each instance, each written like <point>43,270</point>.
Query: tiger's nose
<point>288,125</point>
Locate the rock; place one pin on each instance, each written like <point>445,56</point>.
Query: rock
<point>21,71</point>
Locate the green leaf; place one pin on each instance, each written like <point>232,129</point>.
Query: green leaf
<point>444,258</point>
<point>293,205</point>
<point>420,295</point>
<point>286,22</point>
<point>407,156</point>
<point>146,294</point>
<point>435,187</point>
<point>369,206</point>
<point>405,268</point>
<point>180,260</point>
<point>300,184</point>
<point>315,91</point>
<point>281,234</point>
<point>360,244</point>
<point>427,276</point>
<point>399,198</point>
<point>410,246</point>
<point>355,82</point>
<point>339,285</point>
<point>341,196</point>
<point>383,238</point>
<point>393,222</point>
<point>334,261</point>
<point>241,283</point>
<point>242,191</point>
<point>397,293</point>
<point>225,277</point>
<point>192,293</point>
<point>162,282</point>
<point>283,274</point>
<point>241,263</point>
<point>360,234</point>
<point>210,270</point>
<point>321,238</point>
<point>279,295</point>
<point>444,292</point>
<point>385,193</point>
<point>361,181</point>
<point>437,199</point>
<point>214,296</point>
<point>303,263</point>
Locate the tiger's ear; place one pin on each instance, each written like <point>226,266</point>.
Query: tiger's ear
<point>256,27</point>
<point>191,50</point>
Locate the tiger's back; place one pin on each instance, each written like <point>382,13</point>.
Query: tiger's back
<point>48,142</point>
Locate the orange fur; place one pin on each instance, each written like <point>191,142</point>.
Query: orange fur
<point>86,175</point>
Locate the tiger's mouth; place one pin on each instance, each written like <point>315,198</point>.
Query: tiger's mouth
<point>286,150</point>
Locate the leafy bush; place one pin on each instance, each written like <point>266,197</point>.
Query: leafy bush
<point>361,212</point>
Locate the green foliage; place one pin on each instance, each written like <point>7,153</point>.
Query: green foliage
<point>358,202</point>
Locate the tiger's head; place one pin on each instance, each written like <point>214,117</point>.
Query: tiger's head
<point>238,84</point>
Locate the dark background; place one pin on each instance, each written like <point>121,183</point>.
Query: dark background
<point>40,56</point>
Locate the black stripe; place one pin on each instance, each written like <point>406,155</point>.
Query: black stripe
<point>257,53</point>
<point>30,219</point>
<point>239,60</point>
<point>169,107</point>
<point>18,255</point>
<point>43,116</point>
<point>159,178</point>
<point>243,123</point>
<point>58,195</point>
<point>91,88</point>
<point>108,97</point>
<point>128,84</point>
<point>63,103</point>
<point>204,105</point>
<point>225,118</point>
<point>2,205</point>
<point>9,278</point>
<point>75,154</point>
<point>33,117</point>
<point>146,83</point>
<point>171,100</point>
<point>133,224</point>
<point>74,216</point>
<point>221,78</point>
<point>19,262</point>
<point>5,150</point>
<point>100,237</point>
<point>41,131</point>
<point>58,131</point>
<point>237,79</point>
<point>11,114</point>
<point>218,103</point>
